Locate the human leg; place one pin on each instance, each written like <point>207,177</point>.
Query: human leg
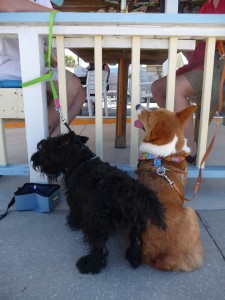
<point>76,96</point>
<point>158,89</point>
<point>183,90</point>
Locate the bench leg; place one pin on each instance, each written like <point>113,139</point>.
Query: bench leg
<point>3,149</point>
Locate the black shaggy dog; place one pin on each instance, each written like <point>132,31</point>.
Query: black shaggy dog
<point>100,197</point>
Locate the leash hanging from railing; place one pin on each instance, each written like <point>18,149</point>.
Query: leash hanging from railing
<point>221,52</point>
<point>49,75</point>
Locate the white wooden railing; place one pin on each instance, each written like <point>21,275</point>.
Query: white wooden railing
<point>135,31</point>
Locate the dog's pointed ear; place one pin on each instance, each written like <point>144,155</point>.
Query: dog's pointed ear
<point>186,113</point>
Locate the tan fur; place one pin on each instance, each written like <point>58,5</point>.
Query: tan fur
<point>179,247</point>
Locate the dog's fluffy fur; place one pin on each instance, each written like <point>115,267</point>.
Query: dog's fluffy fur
<point>100,198</point>
<point>179,247</point>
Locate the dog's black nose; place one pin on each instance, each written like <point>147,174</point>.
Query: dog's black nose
<point>138,106</point>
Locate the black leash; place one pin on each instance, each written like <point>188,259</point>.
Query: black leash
<point>12,201</point>
<point>68,127</point>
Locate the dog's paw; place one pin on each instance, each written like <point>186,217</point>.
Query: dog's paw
<point>133,255</point>
<point>91,264</point>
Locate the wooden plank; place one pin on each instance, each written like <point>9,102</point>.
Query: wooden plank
<point>77,121</point>
<point>121,112</point>
<point>121,43</point>
<point>83,121</point>
<point>11,103</point>
<point>112,56</point>
<point>193,171</point>
<point>15,170</point>
<point>191,22</point>
<point>207,172</point>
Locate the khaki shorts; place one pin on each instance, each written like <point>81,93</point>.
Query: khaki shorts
<point>195,78</point>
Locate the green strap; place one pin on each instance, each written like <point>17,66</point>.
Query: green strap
<point>49,51</point>
<point>50,73</point>
<point>54,92</point>
<point>48,57</point>
<point>39,79</point>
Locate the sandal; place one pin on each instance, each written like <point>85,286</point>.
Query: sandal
<point>191,159</point>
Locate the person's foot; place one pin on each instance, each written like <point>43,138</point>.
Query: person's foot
<point>191,159</point>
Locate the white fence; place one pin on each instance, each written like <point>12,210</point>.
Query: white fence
<point>89,30</point>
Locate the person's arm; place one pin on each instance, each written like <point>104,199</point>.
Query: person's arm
<point>22,6</point>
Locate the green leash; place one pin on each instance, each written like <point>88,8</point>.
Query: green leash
<point>47,57</point>
<point>49,75</point>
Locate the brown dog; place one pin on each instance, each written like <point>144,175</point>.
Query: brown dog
<point>163,168</point>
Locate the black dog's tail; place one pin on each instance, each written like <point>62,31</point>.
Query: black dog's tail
<point>154,210</point>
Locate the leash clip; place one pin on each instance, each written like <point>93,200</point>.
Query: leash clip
<point>161,172</point>
<point>63,120</point>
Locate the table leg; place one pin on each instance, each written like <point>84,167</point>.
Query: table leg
<point>121,113</point>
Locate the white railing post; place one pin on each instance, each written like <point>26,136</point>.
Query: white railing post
<point>98,95</point>
<point>206,98</point>
<point>135,98</point>
<point>171,6</point>
<point>62,79</point>
<point>171,77</point>
<point>123,6</point>
<point>3,147</point>
<point>35,103</point>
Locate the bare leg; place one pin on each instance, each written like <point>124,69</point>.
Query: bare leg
<point>76,96</point>
<point>158,89</point>
<point>183,90</point>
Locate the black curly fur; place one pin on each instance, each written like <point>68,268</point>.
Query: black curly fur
<point>100,198</point>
